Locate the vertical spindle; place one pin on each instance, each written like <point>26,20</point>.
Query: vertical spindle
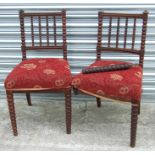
<point>109,34</point>
<point>134,34</point>
<point>54,26</point>
<point>117,35</point>
<point>47,31</point>
<point>40,35</point>
<point>125,32</point>
<point>32,31</point>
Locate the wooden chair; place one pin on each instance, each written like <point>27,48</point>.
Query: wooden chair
<point>123,85</point>
<point>41,74</point>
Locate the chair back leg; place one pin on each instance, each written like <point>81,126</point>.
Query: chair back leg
<point>28,97</point>
<point>12,113</point>
<point>139,107</point>
<point>75,90</point>
<point>98,100</point>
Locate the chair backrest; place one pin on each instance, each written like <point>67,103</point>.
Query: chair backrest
<point>117,31</point>
<point>43,31</point>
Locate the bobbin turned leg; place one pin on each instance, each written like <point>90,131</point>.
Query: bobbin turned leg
<point>134,118</point>
<point>68,110</point>
<point>28,97</point>
<point>12,112</point>
<point>98,100</point>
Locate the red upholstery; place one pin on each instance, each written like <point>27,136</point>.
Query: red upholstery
<point>50,73</point>
<point>121,85</point>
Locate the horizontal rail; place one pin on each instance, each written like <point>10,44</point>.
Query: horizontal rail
<point>43,14</point>
<point>44,47</point>
<point>120,50</point>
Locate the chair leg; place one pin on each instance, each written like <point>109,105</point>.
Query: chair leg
<point>12,112</point>
<point>134,118</point>
<point>98,100</point>
<point>28,97</point>
<point>68,109</point>
<point>75,90</point>
<point>139,107</point>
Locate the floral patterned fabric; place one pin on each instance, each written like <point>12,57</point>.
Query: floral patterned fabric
<point>45,73</point>
<point>124,85</point>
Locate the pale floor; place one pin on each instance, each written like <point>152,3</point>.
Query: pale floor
<point>42,127</point>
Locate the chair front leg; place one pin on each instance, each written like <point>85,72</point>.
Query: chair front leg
<point>68,109</point>
<point>28,97</point>
<point>98,100</point>
<point>134,118</point>
<point>12,113</point>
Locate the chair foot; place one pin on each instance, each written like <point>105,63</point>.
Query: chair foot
<point>12,112</point>
<point>15,134</point>
<point>68,132</point>
<point>68,107</point>
<point>134,118</point>
<point>98,100</point>
<point>28,97</point>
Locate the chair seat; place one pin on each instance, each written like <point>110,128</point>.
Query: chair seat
<point>124,85</point>
<point>44,73</point>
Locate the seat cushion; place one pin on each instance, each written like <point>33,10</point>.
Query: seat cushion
<point>45,73</point>
<point>124,85</point>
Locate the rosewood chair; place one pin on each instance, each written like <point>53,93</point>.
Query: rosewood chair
<point>124,85</point>
<point>41,74</point>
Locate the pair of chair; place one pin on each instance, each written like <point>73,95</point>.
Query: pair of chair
<point>53,74</point>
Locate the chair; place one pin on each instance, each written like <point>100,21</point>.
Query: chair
<point>114,31</point>
<point>47,31</point>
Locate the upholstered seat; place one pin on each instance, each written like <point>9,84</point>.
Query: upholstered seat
<point>122,85</point>
<point>44,73</point>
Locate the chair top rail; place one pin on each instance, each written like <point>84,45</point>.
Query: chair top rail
<point>125,15</point>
